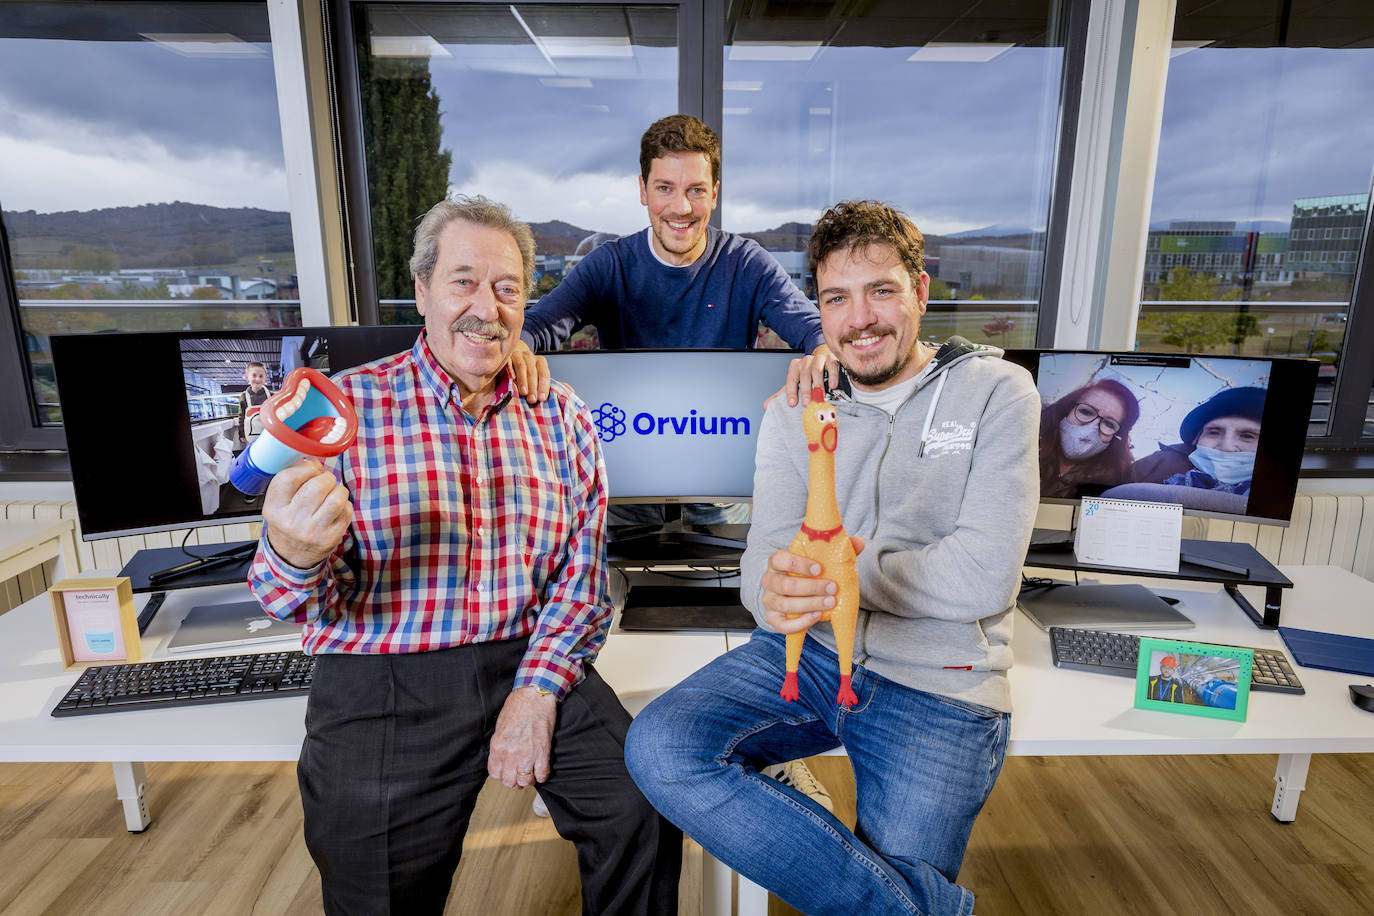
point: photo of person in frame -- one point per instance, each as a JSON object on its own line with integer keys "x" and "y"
{"x": 1197, "y": 680}
{"x": 1165, "y": 685}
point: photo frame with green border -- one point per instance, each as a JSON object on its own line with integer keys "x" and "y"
{"x": 1211, "y": 681}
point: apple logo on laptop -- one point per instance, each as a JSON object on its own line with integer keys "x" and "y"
{"x": 258, "y": 623}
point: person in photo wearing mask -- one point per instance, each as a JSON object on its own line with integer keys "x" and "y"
{"x": 1220, "y": 437}
{"x": 1085, "y": 440}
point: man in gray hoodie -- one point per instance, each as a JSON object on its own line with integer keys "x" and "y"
{"x": 937, "y": 484}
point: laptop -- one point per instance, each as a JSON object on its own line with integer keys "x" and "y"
{"x": 1099, "y": 607}
{"x": 243, "y": 623}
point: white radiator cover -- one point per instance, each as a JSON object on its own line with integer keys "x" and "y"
{"x": 1335, "y": 529}
{"x": 105, "y": 556}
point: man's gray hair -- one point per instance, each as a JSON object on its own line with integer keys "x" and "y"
{"x": 480, "y": 212}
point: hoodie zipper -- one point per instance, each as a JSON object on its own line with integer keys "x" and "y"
{"x": 861, "y": 636}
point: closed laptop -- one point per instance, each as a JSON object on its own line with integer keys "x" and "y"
{"x": 1099, "y": 607}
{"x": 243, "y": 623}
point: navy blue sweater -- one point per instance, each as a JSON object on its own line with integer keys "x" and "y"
{"x": 635, "y": 300}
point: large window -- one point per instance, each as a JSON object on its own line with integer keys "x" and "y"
{"x": 539, "y": 106}
{"x": 143, "y": 185}
{"x": 1262, "y": 194}
{"x": 951, "y": 112}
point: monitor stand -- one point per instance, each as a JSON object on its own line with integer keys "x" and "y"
{"x": 238, "y": 553}
{"x": 156, "y": 568}
{"x": 674, "y": 542}
{"x": 1230, "y": 564}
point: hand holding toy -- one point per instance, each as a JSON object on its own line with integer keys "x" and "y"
{"x": 308, "y": 418}
{"x": 823, "y": 539}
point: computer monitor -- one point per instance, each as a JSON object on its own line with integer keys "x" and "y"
{"x": 152, "y": 419}
{"x": 676, "y": 426}
{"x": 1221, "y": 435}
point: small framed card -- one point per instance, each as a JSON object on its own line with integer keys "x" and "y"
{"x": 1195, "y": 679}
{"x": 96, "y": 621}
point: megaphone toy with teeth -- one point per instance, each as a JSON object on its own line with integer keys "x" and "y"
{"x": 308, "y": 418}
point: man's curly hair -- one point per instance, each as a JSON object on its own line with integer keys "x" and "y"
{"x": 856, "y": 224}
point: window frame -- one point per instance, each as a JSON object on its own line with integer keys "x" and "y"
{"x": 701, "y": 25}
{"x": 19, "y": 426}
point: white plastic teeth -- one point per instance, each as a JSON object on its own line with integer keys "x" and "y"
{"x": 288, "y": 408}
{"x": 336, "y": 433}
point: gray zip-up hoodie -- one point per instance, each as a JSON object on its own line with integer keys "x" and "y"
{"x": 944, "y": 492}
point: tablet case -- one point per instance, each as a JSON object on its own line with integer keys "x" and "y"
{"x": 1331, "y": 651}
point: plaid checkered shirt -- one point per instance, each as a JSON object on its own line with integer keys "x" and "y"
{"x": 465, "y": 529}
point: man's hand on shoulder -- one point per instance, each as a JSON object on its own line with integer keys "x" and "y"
{"x": 531, "y": 373}
{"x": 807, "y": 372}
{"x": 307, "y": 512}
{"x": 519, "y": 751}
{"x": 794, "y": 595}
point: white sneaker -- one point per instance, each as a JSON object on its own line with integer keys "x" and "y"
{"x": 796, "y": 774}
{"x": 540, "y": 809}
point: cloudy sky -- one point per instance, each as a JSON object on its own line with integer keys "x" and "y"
{"x": 958, "y": 145}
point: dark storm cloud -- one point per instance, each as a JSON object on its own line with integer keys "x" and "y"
{"x": 130, "y": 90}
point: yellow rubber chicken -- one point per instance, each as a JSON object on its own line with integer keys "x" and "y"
{"x": 822, "y": 538}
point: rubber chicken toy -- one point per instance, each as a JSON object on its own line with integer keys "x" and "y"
{"x": 822, "y": 538}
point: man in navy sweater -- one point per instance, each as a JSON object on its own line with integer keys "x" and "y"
{"x": 679, "y": 283}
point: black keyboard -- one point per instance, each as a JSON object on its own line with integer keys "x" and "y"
{"x": 187, "y": 682}
{"x": 1115, "y": 653}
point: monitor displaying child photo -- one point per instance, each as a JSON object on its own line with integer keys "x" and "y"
{"x": 227, "y": 380}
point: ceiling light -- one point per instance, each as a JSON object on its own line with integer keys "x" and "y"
{"x": 202, "y": 44}
{"x": 960, "y": 52}
{"x": 407, "y": 46}
{"x": 737, "y": 111}
{"x": 586, "y": 45}
{"x": 743, "y": 85}
{"x": 1183, "y": 47}
{"x": 774, "y": 50}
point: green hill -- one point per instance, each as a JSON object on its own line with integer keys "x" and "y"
{"x": 153, "y": 235}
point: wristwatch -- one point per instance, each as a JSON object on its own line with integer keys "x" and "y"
{"x": 542, "y": 691}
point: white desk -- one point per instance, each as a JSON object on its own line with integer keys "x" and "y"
{"x": 639, "y": 666}
{"x": 1056, "y": 712}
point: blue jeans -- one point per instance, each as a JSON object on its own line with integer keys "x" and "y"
{"x": 923, "y": 767}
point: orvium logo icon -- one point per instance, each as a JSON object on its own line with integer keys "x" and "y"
{"x": 610, "y": 421}
{"x": 610, "y": 424}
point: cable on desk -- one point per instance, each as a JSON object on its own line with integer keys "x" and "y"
{"x": 717, "y": 573}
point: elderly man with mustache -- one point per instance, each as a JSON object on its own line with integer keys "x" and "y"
{"x": 449, "y": 572}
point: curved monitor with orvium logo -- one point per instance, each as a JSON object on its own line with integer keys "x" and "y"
{"x": 676, "y": 426}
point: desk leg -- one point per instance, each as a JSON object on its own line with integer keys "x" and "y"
{"x": 130, "y": 781}
{"x": 717, "y": 891}
{"x": 753, "y": 899}
{"x": 1291, "y": 777}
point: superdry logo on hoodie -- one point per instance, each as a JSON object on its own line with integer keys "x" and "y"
{"x": 950, "y": 436}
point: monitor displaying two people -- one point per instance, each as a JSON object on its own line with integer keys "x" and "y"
{"x": 1217, "y": 434}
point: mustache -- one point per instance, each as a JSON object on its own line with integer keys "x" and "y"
{"x": 867, "y": 332}
{"x": 475, "y": 325}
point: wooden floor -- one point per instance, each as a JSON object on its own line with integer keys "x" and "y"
{"x": 1101, "y": 836}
